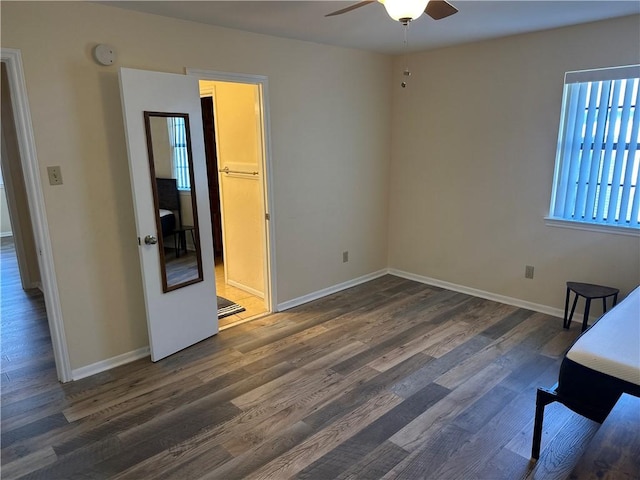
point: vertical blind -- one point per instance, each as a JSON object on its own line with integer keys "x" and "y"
{"x": 597, "y": 162}
{"x": 179, "y": 152}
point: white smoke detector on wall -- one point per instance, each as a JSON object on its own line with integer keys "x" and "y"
{"x": 104, "y": 54}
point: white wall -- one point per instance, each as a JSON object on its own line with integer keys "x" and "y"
{"x": 15, "y": 191}
{"x": 474, "y": 140}
{"x": 162, "y": 161}
{"x": 330, "y": 142}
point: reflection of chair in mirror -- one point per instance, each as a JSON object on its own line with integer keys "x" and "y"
{"x": 170, "y": 214}
{"x": 169, "y": 206}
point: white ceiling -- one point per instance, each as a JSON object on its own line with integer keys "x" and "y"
{"x": 369, "y": 27}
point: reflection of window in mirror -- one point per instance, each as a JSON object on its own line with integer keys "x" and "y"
{"x": 179, "y": 153}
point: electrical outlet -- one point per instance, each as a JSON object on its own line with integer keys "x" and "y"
{"x": 55, "y": 175}
{"x": 528, "y": 271}
{"x": 345, "y": 257}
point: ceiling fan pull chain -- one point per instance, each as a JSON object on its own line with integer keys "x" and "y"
{"x": 406, "y": 71}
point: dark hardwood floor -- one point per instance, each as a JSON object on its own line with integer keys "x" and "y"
{"x": 391, "y": 379}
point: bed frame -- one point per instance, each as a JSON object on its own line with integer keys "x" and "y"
{"x": 601, "y": 365}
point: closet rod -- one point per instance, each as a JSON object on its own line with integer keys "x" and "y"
{"x": 226, "y": 170}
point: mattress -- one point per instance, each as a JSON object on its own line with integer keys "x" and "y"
{"x": 612, "y": 345}
{"x": 167, "y": 222}
{"x": 601, "y": 365}
{"x": 604, "y": 362}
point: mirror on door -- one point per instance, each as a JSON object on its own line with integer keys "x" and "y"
{"x": 174, "y": 194}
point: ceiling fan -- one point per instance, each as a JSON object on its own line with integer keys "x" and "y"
{"x": 405, "y": 11}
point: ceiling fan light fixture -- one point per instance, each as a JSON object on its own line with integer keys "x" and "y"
{"x": 404, "y": 10}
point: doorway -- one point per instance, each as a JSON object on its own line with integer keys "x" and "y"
{"x": 15, "y": 89}
{"x": 233, "y": 123}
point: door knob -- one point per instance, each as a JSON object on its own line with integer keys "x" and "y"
{"x": 150, "y": 240}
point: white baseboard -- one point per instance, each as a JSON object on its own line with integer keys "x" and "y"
{"x": 516, "y": 302}
{"x": 250, "y": 290}
{"x": 329, "y": 290}
{"x": 109, "y": 363}
{"x": 32, "y": 286}
{"x": 6, "y": 234}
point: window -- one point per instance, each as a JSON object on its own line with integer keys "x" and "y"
{"x": 598, "y": 156}
{"x": 179, "y": 152}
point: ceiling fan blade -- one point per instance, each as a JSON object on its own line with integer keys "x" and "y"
{"x": 352, "y": 7}
{"x": 439, "y": 9}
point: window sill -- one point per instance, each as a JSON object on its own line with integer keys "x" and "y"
{"x": 591, "y": 227}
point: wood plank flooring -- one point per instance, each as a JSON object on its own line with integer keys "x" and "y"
{"x": 391, "y": 379}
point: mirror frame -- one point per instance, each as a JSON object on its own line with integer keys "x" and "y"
{"x": 152, "y": 174}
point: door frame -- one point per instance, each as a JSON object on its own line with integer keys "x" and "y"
{"x": 267, "y": 182}
{"x": 12, "y": 58}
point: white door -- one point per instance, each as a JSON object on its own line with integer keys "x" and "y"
{"x": 239, "y": 141}
{"x": 181, "y": 317}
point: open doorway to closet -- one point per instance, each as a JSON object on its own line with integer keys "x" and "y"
{"x": 234, "y": 145}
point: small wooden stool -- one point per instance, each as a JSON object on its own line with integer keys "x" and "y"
{"x": 589, "y": 292}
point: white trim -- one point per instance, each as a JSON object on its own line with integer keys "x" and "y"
{"x": 252, "y": 291}
{"x": 270, "y": 294}
{"x": 110, "y": 363}
{"x": 600, "y": 74}
{"x": 330, "y": 290}
{"x": 6, "y": 234}
{"x": 225, "y": 76}
{"x": 516, "y": 302}
{"x": 244, "y": 320}
{"x": 30, "y": 168}
{"x": 592, "y": 227}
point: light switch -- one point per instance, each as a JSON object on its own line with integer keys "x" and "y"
{"x": 55, "y": 175}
